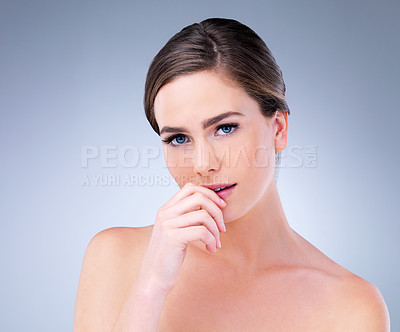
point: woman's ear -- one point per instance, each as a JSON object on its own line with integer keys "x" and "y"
{"x": 281, "y": 123}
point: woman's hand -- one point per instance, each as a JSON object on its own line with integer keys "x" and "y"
{"x": 193, "y": 213}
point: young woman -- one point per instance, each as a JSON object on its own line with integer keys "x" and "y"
{"x": 216, "y": 97}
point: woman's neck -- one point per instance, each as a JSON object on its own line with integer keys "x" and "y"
{"x": 261, "y": 238}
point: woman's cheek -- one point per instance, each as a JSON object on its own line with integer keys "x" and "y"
{"x": 181, "y": 174}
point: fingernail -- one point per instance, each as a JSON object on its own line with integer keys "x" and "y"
{"x": 224, "y": 227}
{"x": 219, "y": 244}
{"x": 222, "y": 201}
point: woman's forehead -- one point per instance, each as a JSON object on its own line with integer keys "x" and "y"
{"x": 198, "y": 96}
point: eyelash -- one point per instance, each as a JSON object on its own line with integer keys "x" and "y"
{"x": 168, "y": 140}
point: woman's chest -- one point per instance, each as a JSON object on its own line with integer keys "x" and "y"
{"x": 262, "y": 304}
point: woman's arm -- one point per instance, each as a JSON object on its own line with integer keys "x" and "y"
{"x": 110, "y": 266}
{"x": 116, "y": 264}
{"x": 142, "y": 308}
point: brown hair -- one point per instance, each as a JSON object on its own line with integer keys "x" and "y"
{"x": 226, "y": 47}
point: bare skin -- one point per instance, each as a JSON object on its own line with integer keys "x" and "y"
{"x": 308, "y": 293}
{"x": 265, "y": 277}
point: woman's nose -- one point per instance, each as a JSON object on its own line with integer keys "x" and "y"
{"x": 204, "y": 159}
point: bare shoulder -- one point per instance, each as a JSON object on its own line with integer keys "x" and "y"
{"x": 110, "y": 264}
{"x": 114, "y": 247}
{"x": 353, "y": 303}
{"x": 349, "y": 302}
{"x": 359, "y": 305}
{"x": 121, "y": 239}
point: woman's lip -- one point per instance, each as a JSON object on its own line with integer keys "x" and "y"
{"x": 226, "y": 192}
{"x": 225, "y": 187}
{"x": 218, "y": 185}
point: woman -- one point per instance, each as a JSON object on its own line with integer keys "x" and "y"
{"x": 216, "y": 97}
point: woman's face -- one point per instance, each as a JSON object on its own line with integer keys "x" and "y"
{"x": 237, "y": 148}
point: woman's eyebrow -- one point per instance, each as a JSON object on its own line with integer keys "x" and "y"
{"x": 205, "y": 124}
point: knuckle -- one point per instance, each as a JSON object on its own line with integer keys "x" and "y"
{"x": 203, "y": 198}
{"x": 161, "y": 214}
{"x": 211, "y": 238}
{"x": 203, "y": 214}
{"x": 164, "y": 226}
{"x": 204, "y": 232}
{"x": 198, "y": 195}
{"x": 169, "y": 234}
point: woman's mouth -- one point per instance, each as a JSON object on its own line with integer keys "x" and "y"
{"x": 224, "y": 192}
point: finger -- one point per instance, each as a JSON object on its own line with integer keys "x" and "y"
{"x": 190, "y": 188}
{"x": 193, "y": 218}
{"x": 196, "y": 233}
{"x": 197, "y": 201}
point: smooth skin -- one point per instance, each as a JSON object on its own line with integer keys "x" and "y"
{"x": 172, "y": 276}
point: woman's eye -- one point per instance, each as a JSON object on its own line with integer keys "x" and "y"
{"x": 178, "y": 140}
{"x": 227, "y": 128}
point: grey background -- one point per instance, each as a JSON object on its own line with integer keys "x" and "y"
{"x": 72, "y": 75}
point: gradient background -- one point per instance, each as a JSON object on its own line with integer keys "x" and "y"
{"x": 72, "y": 75}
